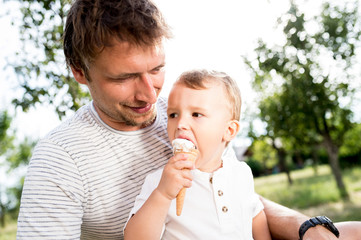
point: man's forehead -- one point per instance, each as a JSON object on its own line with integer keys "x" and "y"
{"x": 127, "y": 46}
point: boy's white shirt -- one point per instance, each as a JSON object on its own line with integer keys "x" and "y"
{"x": 223, "y": 209}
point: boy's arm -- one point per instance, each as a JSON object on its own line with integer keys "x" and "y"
{"x": 284, "y": 223}
{"x": 260, "y": 230}
{"x": 149, "y": 220}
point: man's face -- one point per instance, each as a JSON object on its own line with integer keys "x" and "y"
{"x": 125, "y": 82}
{"x": 201, "y": 116}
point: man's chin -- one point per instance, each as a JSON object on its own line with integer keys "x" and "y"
{"x": 143, "y": 121}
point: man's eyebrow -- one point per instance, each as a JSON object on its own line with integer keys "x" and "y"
{"x": 159, "y": 66}
{"x": 124, "y": 75}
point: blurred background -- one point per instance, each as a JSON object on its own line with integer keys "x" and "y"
{"x": 297, "y": 63}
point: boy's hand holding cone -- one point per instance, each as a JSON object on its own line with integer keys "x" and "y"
{"x": 183, "y": 146}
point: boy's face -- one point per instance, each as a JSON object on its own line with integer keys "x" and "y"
{"x": 203, "y": 117}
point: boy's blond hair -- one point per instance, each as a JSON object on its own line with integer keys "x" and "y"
{"x": 197, "y": 79}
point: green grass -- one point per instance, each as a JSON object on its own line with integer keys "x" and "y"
{"x": 310, "y": 194}
{"x": 9, "y": 232}
{"x": 315, "y": 194}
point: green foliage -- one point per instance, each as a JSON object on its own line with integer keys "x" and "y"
{"x": 256, "y": 167}
{"x": 13, "y": 155}
{"x": 352, "y": 143}
{"x": 306, "y": 82}
{"x": 40, "y": 64}
{"x": 5, "y": 140}
{"x": 264, "y": 153}
{"x": 22, "y": 155}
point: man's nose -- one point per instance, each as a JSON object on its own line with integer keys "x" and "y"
{"x": 145, "y": 90}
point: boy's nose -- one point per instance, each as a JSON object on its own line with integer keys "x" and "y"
{"x": 182, "y": 123}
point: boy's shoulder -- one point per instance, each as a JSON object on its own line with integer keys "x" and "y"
{"x": 154, "y": 177}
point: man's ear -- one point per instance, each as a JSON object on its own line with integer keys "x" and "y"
{"x": 231, "y": 131}
{"x": 79, "y": 75}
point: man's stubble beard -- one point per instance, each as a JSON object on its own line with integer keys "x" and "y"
{"x": 131, "y": 120}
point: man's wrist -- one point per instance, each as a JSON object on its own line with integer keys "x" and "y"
{"x": 315, "y": 221}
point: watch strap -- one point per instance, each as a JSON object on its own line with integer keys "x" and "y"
{"x": 319, "y": 220}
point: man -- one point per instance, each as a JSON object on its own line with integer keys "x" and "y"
{"x": 84, "y": 175}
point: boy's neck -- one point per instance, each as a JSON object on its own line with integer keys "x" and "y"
{"x": 215, "y": 169}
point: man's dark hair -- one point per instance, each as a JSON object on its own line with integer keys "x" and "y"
{"x": 93, "y": 25}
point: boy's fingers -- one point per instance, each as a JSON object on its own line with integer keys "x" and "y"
{"x": 179, "y": 157}
{"x": 184, "y": 165}
{"x": 187, "y": 183}
{"x": 186, "y": 174}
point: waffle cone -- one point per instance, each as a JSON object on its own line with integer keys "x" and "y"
{"x": 192, "y": 156}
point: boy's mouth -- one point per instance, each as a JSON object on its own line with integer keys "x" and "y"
{"x": 187, "y": 138}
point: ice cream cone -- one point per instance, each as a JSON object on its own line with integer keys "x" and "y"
{"x": 182, "y": 146}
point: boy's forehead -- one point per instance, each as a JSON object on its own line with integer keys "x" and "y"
{"x": 209, "y": 88}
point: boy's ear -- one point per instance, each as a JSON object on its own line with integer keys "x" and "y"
{"x": 231, "y": 131}
{"x": 79, "y": 75}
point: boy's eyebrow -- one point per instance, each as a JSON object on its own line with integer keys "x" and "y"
{"x": 170, "y": 109}
{"x": 192, "y": 108}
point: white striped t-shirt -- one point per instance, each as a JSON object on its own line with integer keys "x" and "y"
{"x": 84, "y": 176}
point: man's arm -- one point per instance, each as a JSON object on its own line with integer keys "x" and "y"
{"x": 284, "y": 223}
{"x": 349, "y": 230}
{"x": 52, "y": 197}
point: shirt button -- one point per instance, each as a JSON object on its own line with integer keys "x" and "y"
{"x": 211, "y": 180}
{"x": 224, "y": 209}
{"x": 220, "y": 193}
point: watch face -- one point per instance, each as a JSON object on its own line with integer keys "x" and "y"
{"x": 326, "y": 221}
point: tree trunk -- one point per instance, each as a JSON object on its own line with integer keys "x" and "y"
{"x": 332, "y": 151}
{"x": 2, "y": 215}
{"x": 282, "y": 163}
{"x": 315, "y": 158}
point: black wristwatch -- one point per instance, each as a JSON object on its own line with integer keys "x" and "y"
{"x": 319, "y": 220}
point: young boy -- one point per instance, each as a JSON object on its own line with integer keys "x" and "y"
{"x": 220, "y": 202}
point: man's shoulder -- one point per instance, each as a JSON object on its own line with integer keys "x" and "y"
{"x": 162, "y": 103}
{"x": 74, "y": 125}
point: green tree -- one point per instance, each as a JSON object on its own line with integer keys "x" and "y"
{"x": 6, "y": 143}
{"x": 306, "y": 81}
{"x": 40, "y": 64}
{"x": 13, "y": 156}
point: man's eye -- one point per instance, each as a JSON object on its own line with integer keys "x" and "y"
{"x": 196, "y": 115}
{"x": 157, "y": 69}
{"x": 125, "y": 77}
{"x": 173, "y": 115}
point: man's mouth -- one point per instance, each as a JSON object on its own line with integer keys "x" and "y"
{"x": 142, "y": 109}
